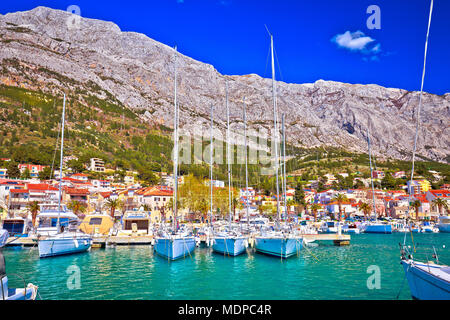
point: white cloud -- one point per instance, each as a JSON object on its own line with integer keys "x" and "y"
{"x": 354, "y": 41}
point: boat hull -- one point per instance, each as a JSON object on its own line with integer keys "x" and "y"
{"x": 173, "y": 249}
{"x": 63, "y": 246}
{"x": 424, "y": 285}
{"x": 232, "y": 246}
{"x": 379, "y": 228}
{"x": 444, "y": 227}
{"x": 279, "y": 247}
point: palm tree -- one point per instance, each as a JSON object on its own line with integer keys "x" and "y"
{"x": 77, "y": 207}
{"x": 340, "y": 198}
{"x": 365, "y": 208}
{"x": 416, "y": 205}
{"x": 33, "y": 207}
{"x": 113, "y": 204}
{"x": 315, "y": 207}
{"x": 441, "y": 204}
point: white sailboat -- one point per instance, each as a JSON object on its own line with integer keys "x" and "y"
{"x": 376, "y": 226}
{"x": 70, "y": 240}
{"x": 427, "y": 280}
{"x": 232, "y": 242}
{"x": 174, "y": 243}
{"x": 281, "y": 242}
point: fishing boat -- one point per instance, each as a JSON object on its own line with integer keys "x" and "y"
{"x": 426, "y": 280}
{"x": 231, "y": 242}
{"x": 174, "y": 243}
{"x": 427, "y": 227}
{"x": 28, "y": 292}
{"x": 67, "y": 240}
{"x": 444, "y": 224}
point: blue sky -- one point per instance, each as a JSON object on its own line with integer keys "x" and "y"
{"x": 321, "y": 39}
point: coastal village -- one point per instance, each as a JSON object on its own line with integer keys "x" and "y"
{"x": 118, "y": 194}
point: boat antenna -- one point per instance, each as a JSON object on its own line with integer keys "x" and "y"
{"x": 284, "y": 165}
{"x": 246, "y": 170}
{"x": 228, "y": 152}
{"x": 371, "y": 173}
{"x": 175, "y": 156}
{"x": 211, "y": 150}
{"x": 275, "y": 125}
{"x": 61, "y": 164}
{"x": 418, "y": 114}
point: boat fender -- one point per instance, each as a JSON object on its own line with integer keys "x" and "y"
{"x": 34, "y": 290}
{"x": 246, "y": 243}
{"x": 75, "y": 243}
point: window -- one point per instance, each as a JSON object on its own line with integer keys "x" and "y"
{"x": 95, "y": 221}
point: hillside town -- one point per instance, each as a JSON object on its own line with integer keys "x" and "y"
{"x": 117, "y": 194}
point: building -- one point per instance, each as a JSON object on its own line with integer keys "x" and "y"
{"x": 418, "y": 186}
{"x": 431, "y": 195}
{"x": 399, "y": 174}
{"x": 377, "y": 174}
{"x": 3, "y": 173}
{"x": 128, "y": 180}
{"x": 80, "y": 176}
{"x": 97, "y": 165}
{"x": 33, "y": 168}
{"x": 75, "y": 194}
{"x": 157, "y": 199}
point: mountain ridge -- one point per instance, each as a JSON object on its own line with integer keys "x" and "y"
{"x": 136, "y": 72}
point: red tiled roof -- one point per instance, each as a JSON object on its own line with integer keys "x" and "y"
{"x": 40, "y": 187}
{"x": 18, "y": 191}
{"x": 443, "y": 192}
{"x": 75, "y": 191}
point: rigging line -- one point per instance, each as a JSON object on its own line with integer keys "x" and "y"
{"x": 278, "y": 63}
{"x": 418, "y": 110}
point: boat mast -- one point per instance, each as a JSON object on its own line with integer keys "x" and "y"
{"x": 284, "y": 165}
{"x": 61, "y": 164}
{"x": 371, "y": 175}
{"x": 175, "y": 157}
{"x": 211, "y": 167}
{"x": 246, "y": 171}
{"x": 228, "y": 153}
{"x": 275, "y": 125}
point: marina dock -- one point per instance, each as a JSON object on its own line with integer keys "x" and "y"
{"x": 338, "y": 239}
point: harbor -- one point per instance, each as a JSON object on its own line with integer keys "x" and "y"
{"x": 135, "y": 272}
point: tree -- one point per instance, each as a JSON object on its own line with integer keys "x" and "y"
{"x": 113, "y": 205}
{"x": 365, "y": 208}
{"x": 315, "y": 207}
{"x": 77, "y": 166}
{"x": 33, "y": 207}
{"x": 77, "y": 207}
{"x": 26, "y": 174}
{"x": 45, "y": 174}
{"x": 441, "y": 204}
{"x": 13, "y": 170}
{"x": 416, "y": 205}
{"x": 299, "y": 196}
{"x": 148, "y": 177}
{"x": 340, "y": 198}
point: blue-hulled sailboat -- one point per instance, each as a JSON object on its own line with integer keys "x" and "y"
{"x": 70, "y": 241}
{"x": 174, "y": 243}
{"x": 232, "y": 242}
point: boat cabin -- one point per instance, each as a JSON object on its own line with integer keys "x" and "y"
{"x": 16, "y": 227}
{"x": 135, "y": 222}
{"x": 97, "y": 224}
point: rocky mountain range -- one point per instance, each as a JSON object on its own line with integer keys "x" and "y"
{"x": 52, "y": 50}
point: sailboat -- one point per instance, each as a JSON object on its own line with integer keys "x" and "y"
{"x": 281, "y": 242}
{"x": 374, "y": 227}
{"x": 426, "y": 280}
{"x": 71, "y": 240}
{"x": 231, "y": 242}
{"x": 174, "y": 243}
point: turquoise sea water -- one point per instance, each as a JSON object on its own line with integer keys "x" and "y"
{"x": 135, "y": 273}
